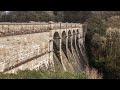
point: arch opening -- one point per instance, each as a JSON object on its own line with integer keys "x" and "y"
{"x": 64, "y": 36}
{"x": 56, "y": 45}
{"x": 77, "y": 38}
{"x": 77, "y": 41}
{"x": 73, "y": 43}
{"x": 69, "y": 41}
{"x": 77, "y": 31}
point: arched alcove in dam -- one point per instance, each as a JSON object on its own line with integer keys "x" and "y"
{"x": 77, "y": 42}
{"x": 64, "y": 36}
{"x": 56, "y": 45}
{"x": 73, "y": 43}
{"x": 69, "y": 40}
{"x": 77, "y": 38}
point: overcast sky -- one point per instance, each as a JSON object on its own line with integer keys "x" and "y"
{"x": 7, "y": 12}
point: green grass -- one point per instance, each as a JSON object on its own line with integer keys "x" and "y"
{"x": 39, "y": 74}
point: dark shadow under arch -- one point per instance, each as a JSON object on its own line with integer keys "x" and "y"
{"x": 78, "y": 31}
{"x": 56, "y": 45}
{"x": 69, "y": 40}
{"x": 73, "y": 43}
{"x": 64, "y": 36}
{"x": 77, "y": 37}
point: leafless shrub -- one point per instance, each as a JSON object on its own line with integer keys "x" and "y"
{"x": 93, "y": 73}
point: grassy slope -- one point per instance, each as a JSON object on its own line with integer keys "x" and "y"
{"x": 38, "y": 74}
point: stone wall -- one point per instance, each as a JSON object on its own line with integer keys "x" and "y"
{"x": 16, "y": 49}
{"x": 9, "y": 29}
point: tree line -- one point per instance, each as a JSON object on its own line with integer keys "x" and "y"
{"x": 44, "y": 16}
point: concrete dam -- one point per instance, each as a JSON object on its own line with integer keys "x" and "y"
{"x": 42, "y": 45}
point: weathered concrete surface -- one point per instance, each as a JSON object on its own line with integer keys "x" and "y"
{"x": 16, "y": 49}
{"x": 66, "y": 65}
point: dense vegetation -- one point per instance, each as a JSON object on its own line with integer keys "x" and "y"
{"x": 56, "y": 16}
{"x": 103, "y": 47}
